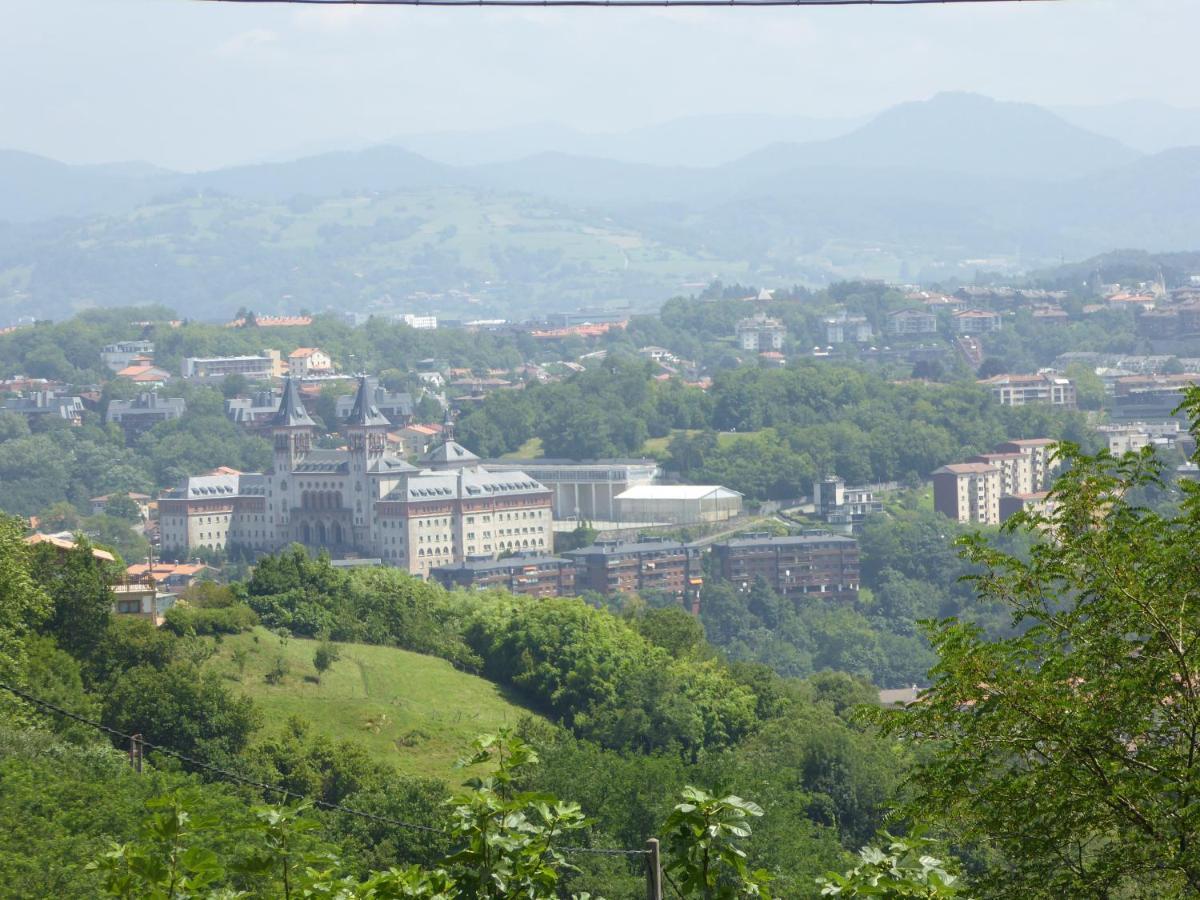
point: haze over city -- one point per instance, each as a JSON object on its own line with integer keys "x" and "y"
{"x": 198, "y": 85}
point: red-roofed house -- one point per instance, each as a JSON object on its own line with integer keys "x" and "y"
{"x": 309, "y": 361}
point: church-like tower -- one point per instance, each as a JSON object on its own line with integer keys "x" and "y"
{"x": 366, "y": 435}
{"x": 292, "y": 430}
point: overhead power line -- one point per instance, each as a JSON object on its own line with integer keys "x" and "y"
{"x": 614, "y": 4}
{"x": 137, "y": 741}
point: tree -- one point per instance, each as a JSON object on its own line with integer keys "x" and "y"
{"x": 23, "y": 603}
{"x": 1072, "y": 747}
{"x": 325, "y": 656}
{"x": 78, "y": 583}
{"x": 183, "y": 708}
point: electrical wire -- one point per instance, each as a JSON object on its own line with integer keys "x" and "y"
{"x": 629, "y": 3}
{"x": 262, "y": 785}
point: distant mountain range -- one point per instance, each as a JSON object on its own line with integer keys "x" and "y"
{"x": 922, "y": 187}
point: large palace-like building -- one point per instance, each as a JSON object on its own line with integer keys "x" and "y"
{"x": 359, "y": 501}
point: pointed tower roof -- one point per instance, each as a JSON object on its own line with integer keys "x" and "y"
{"x": 291, "y": 413}
{"x": 365, "y": 412}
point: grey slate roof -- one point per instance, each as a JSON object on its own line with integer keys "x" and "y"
{"x": 364, "y": 412}
{"x": 292, "y": 413}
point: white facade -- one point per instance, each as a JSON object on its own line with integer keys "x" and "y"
{"x": 678, "y": 504}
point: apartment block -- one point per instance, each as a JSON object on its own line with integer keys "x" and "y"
{"x": 264, "y": 367}
{"x": 797, "y": 566}
{"x": 968, "y": 493}
{"x": 1040, "y": 452}
{"x": 629, "y": 567}
{"x": 1016, "y": 470}
{"x": 533, "y": 575}
{"x": 1022, "y": 390}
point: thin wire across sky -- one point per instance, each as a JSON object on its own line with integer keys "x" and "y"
{"x": 631, "y": 3}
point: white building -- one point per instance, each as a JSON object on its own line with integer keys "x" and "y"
{"x": 305, "y": 361}
{"x": 360, "y": 502}
{"x": 584, "y": 491}
{"x": 678, "y": 504}
{"x": 422, "y": 322}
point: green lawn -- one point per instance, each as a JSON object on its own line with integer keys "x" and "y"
{"x": 658, "y": 446}
{"x": 531, "y": 449}
{"x": 416, "y": 712}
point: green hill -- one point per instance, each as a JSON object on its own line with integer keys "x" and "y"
{"x": 416, "y": 712}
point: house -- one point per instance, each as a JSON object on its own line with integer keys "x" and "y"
{"x": 304, "y": 361}
{"x": 144, "y": 373}
{"x": 798, "y": 567}
{"x": 976, "y": 321}
{"x": 1022, "y": 390}
{"x": 630, "y": 567}
{"x": 529, "y": 574}
{"x": 912, "y": 321}
{"x": 173, "y": 577}
{"x": 968, "y": 493}
{"x": 760, "y": 332}
{"x": 64, "y": 542}
{"x": 122, "y": 354}
{"x": 417, "y": 439}
{"x": 142, "y": 413}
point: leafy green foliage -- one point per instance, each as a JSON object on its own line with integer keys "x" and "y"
{"x": 704, "y": 856}
{"x": 1073, "y": 738}
{"x": 904, "y": 867}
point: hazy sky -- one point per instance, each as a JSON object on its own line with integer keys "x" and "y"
{"x": 192, "y": 84}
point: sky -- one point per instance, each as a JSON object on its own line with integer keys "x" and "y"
{"x": 191, "y": 85}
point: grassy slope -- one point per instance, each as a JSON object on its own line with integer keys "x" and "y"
{"x": 658, "y": 446}
{"x": 416, "y": 712}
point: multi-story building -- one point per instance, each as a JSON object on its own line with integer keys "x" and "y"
{"x": 362, "y": 501}
{"x": 845, "y": 329}
{"x": 968, "y": 493}
{"x": 143, "y": 412}
{"x": 798, "y": 566}
{"x": 1016, "y": 470}
{"x": 1122, "y": 439}
{"x": 46, "y": 404}
{"x": 419, "y": 322}
{"x": 838, "y": 504}
{"x": 122, "y": 354}
{"x": 532, "y": 574}
{"x": 264, "y": 367}
{"x": 760, "y": 332}
{"x": 976, "y": 321}
{"x": 630, "y": 567}
{"x": 1040, "y": 451}
{"x": 912, "y": 321}
{"x": 584, "y": 491}
{"x": 1021, "y": 390}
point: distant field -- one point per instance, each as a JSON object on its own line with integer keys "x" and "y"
{"x": 531, "y": 449}
{"x": 416, "y": 712}
{"x": 658, "y": 446}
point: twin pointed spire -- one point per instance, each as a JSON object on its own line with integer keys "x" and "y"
{"x": 291, "y": 412}
{"x": 365, "y": 413}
